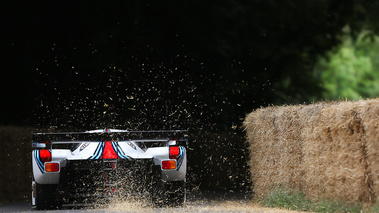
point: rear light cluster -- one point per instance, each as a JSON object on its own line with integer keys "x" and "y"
{"x": 174, "y": 152}
{"x": 169, "y": 164}
{"x": 51, "y": 167}
{"x": 45, "y": 155}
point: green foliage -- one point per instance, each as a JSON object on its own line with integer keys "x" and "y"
{"x": 223, "y": 59}
{"x": 351, "y": 71}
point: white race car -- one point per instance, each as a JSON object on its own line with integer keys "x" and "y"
{"x": 75, "y": 168}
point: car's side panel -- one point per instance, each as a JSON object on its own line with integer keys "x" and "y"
{"x": 39, "y": 174}
{"x": 162, "y": 153}
{"x": 178, "y": 174}
{"x": 159, "y": 153}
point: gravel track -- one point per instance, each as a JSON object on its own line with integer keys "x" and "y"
{"x": 193, "y": 206}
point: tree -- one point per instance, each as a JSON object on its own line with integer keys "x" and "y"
{"x": 169, "y": 64}
{"x": 351, "y": 71}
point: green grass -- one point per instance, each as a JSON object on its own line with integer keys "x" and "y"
{"x": 294, "y": 200}
{"x": 286, "y": 199}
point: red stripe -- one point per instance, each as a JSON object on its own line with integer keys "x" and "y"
{"x": 109, "y": 152}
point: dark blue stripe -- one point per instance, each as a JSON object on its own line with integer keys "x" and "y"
{"x": 101, "y": 151}
{"x": 39, "y": 162}
{"x": 95, "y": 153}
{"x": 121, "y": 152}
{"x": 181, "y": 157}
{"x": 114, "y": 147}
{"x": 98, "y": 151}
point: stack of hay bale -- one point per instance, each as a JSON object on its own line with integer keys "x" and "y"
{"x": 327, "y": 150}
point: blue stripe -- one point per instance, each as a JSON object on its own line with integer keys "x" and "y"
{"x": 39, "y": 162}
{"x": 120, "y": 152}
{"x": 98, "y": 151}
{"x": 101, "y": 150}
{"x": 114, "y": 146}
{"x": 95, "y": 153}
{"x": 180, "y": 158}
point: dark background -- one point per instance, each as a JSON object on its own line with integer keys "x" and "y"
{"x": 143, "y": 65}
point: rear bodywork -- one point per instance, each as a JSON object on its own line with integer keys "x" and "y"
{"x": 82, "y": 167}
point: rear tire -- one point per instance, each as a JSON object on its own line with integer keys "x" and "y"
{"x": 168, "y": 193}
{"x": 176, "y": 193}
{"x": 47, "y": 196}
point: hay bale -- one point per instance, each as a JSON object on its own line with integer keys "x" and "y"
{"x": 313, "y": 160}
{"x": 343, "y": 141}
{"x": 261, "y": 156}
{"x": 275, "y": 153}
{"x": 15, "y": 172}
{"x": 371, "y": 127}
{"x": 324, "y": 149}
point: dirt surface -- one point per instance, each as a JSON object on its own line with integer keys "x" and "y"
{"x": 212, "y": 206}
{"x": 194, "y": 206}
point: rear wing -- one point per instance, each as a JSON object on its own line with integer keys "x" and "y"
{"x": 46, "y": 140}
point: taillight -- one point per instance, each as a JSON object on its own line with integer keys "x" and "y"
{"x": 45, "y": 155}
{"x": 174, "y": 152}
{"x": 52, "y": 167}
{"x": 169, "y": 164}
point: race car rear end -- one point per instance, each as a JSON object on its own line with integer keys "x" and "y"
{"x": 76, "y": 168}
